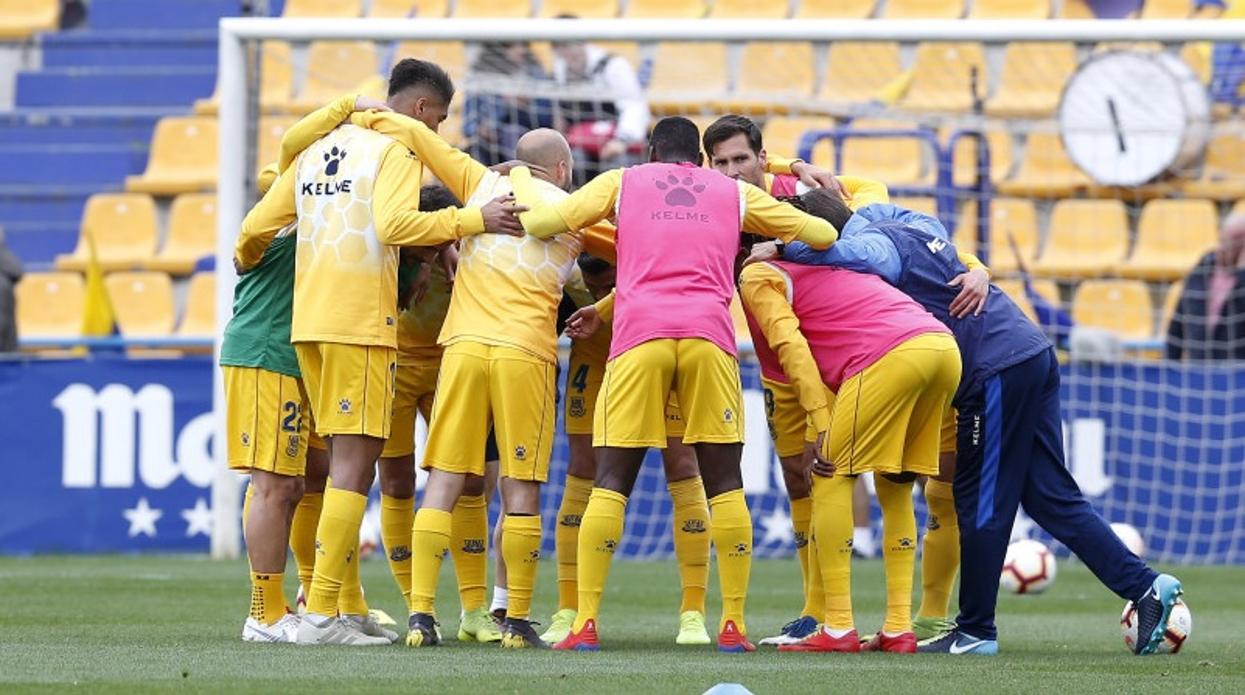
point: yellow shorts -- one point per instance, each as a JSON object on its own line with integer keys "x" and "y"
{"x": 635, "y": 395}
{"x": 583, "y": 385}
{"x": 265, "y": 426}
{"x": 948, "y": 433}
{"x": 350, "y": 387}
{"x": 788, "y": 423}
{"x": 888, "y": 418}
{"x": 508, "y": 389}
{"x": 415, "y": 385}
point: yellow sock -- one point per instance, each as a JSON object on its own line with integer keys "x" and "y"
{"x": 469, "y": 549}
{"x": 801, "y": 519}
{"x": 940, "y": 559}
{"x": 815, "y": 594}
{"x": 430, "y": 541}
{"x": 337, "y": 540}
{"x": 731, "y": 528}
{"x": 520, "y": 546}
{"x": 599, "y": 536}
{"x": 691, "y": 540}
{"x": 832, "y": 526}
{"x": 566, "y": 539}
{"x": 397, "y": 515}
{"x": 898, "y": 551}
{"x": 267, "y": 597}
{"x": 303, "y": 536}
{"x": 350, "y": 601}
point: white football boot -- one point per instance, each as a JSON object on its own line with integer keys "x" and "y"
{"x": 370, "y": 626}
{"x": 319, "y": 629}
{"x": 284, "y": 631}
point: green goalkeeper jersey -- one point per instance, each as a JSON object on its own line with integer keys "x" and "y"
{"x": 258, "y": 335}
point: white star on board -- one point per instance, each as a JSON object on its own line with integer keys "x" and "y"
{"x": 778, "y": 528}
{"x": 142, "y": 518}
{"x": 198, "y": 520}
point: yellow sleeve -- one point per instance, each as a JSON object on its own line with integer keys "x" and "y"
{"x": 779, "y": 165}
{"x": 599, "y": 241}
{"x": 763, "y": 214}
{"x": 862, "y": 191}
{"x": 764, "y": 292}
{"x": 576, "y": 289}
{"x": 314, "y": 126}
{"x": 971, "y": 262}
{"x": 583, "y": 208}
{"x": 395, "y": 206}
{"x": 273, "y": 212}
{"x": 455, "y": 168}
{"x": 605, "y": 307}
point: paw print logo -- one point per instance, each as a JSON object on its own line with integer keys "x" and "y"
{"x": 610, "y": 546}
{"x": 344, "y": 405}
{"x": 520, "y": 452}
{"x": 905, "y": 542}
{"x": 680, "y": 192}
{"x": 728, "y": 415}
{"x": 319, "y": 548}
{"x": 741, "y": 547}
{"x": 534, "y": 555}
{"x": 334, "y": 157}
{"x": 933, "y": 524}
{"x": 246, "y": 439}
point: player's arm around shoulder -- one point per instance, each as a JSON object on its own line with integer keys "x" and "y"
{"x": 314, "y": 126}
{"x": 455, "y": 168}
{"x": 271, "y": 214}
{"x": 766, "y": 215}
{"x": 395, "y": 209}
{"x": 583, "y": 208}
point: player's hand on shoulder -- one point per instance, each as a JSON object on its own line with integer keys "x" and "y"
{"x": 762, "y": 252}
{"x": 974, "y": 289}
{"x": 501, "y": 216}
{"x": 366, "y": 103}
{"x": 584, "y": 323}
{"x": 816, "y": 177}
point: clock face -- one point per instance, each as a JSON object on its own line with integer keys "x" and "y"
{"x": 1127, "y": 118}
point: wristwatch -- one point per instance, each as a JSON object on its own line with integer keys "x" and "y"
{"x": 779, "y": 247}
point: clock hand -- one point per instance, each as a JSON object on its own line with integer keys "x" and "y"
{"x": 1115, "y": 122}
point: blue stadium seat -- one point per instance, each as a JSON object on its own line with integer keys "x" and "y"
{"x": 39, "y": 127}
{"x": 38, "y": 245}
{"x": 129, "y": 49}
{"x": 165, "y": 14}
{"x": 114, "y": 87}
{"x": 40, "y": 207}
{"x": 55, "y": 166}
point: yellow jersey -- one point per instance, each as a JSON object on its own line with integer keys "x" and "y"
{"x": 419, "y": 325}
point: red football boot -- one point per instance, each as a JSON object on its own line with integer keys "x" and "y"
{"x": 583, "y": 641}
{"x": 903, "y": 643}
{"x": 731, "y": 640}
{"x": 821, "y": 641}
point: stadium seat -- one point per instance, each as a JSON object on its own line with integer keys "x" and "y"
{"x": 1223, "y": 172}
{"x": 334, "y": 68}
{"x": 323, "y": 8}
{"x": 859, "y": 72}
{"x": 665, "y": 9}
{"x": 1032, "y": 79}
{"x": 142, "y": 302}
{"x": 923, "y": 9}
{"x": 892, "y": 160}
{"x": 1172, "y": 235}
{"x": 19, "y": 19}
{"x": 276, "y": 81}
{"x": 1045, "y": 170}
{"x": 942, "y": 77}
{"x": 1120, "y": 306}
{"x": 492, "y": 9}
{"x": 1085, "y": 239}
{"x": 588, "y": 9}
{"x": 835, "y": 9}
{"x": 199, "y": 317}
{"x": 268, "y": 139}
{"x": 929, "y": 206}
{"x": 450, "y": 55}
{"x": 1014, "y": 216}
{"x": 1166, "y": 9}
{"x": 1076, "y": 9}
{"x": 403, "y": 8}
{"x": 123, "y": 229}
{"x": 182, "y": 159}
{"x": 758, "y": 92}
{"x": 1010, "y": 9}
{"x": 192, "y": 234}
{"x": 49, "y": 305}
{"x": 781, "y": 137}
{"x": 748, "y": 9}
{"x": 964, "y": 159}
{"x": 687, "y": 77}
{"x": 1015, "y": 289}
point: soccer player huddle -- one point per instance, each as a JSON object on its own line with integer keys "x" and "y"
{"x": 366, "y": 297}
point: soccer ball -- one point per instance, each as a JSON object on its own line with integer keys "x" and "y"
{"x": 1179, "y": 627}
{"x": 1028, "y": 568}
{"x": 1131, "y": 538}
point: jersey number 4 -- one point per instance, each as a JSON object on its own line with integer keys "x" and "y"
{"x": 580, "y": 378}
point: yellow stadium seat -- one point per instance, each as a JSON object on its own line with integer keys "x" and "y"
{"x": 687, "y": 77}
{"x": 748, "y": 9}
{"x": 199, "y": 318}
{"x": 665, "y": 9}
{"x": 192, "y": 234}
{"x": 587, "y": 9}
{"x": 1120, "y": 306}
{"x": 923, "y": 9}
{"x": 276, "y": 81}
{"x": 123, "y": 228}
{"x": 964, "y": 159}
{"x": 1086, "y": 238}
{"x": 1223, "y": 172}
{"x": 450, "y": 55}
{"x": 49, "y": 305}
{"x": 19, "y": 19}
{"x": 1014, "y": 217}
{"x": 858, "y": 72}
{"x": 1076, "y": 9}
{"x": 493, "y": 9}
{"x": 268, "y": 138}
{"x": 929, "y": 206}
{"x": 1010, "y": 9}
{"x": 942, "y": 77}
{"x": 781, "y": 137}
{"x": 142, "y": 302}
{"x": 1032, "y": 79}
{"x": 322, "y": 8}
{"x": 404, "y": 8}
{"x": 334, "y": 68}
{"x": 182, "y": 159}
{"x": 758, "y": 92}
{"x": 835, "y": 9}
{"x": 1016, "y": 290}
{"x": 1045, "y": 170}
{"x": 1172, "y": 235}
{"x": 1166, "y": 9}
{"x": 891, "y": 160}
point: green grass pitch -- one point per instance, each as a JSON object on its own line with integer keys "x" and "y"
{"x": 135, "y": 624}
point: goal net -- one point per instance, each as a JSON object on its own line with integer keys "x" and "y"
{"x": 1091, "y": 164}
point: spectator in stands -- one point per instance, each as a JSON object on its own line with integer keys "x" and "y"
{"x": 1209, "y": 321}
{"x": 10, "y": 273}
{"x": 497, "y": 111}
{"x": 614, "y": 120}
